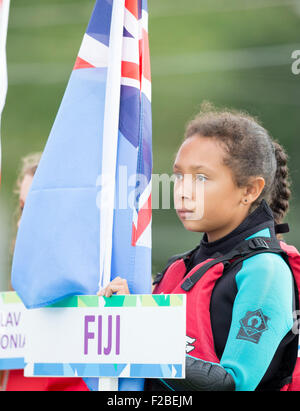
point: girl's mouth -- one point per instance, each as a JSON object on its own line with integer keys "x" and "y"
{"x": 184, "y": 213}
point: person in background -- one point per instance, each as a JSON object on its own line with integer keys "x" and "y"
{"x": 14, "y": 380}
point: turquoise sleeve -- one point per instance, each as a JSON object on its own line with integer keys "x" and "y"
{"x": 262, "y": 315}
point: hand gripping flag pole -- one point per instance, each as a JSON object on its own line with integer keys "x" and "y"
{"x": 4, "y": 12}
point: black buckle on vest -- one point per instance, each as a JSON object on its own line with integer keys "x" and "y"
{"x": 257, "y": 243}
{"x": 187, "y": 285}
{"x": 158, "y": 278}
{"x": 282, "y": 228}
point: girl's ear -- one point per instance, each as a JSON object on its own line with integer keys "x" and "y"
{"x": 254, "y": 189}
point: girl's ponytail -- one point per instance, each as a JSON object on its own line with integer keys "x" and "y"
{"x": 279, "y": 202}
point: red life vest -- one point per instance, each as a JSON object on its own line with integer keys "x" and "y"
{"x": 198, "y": 285}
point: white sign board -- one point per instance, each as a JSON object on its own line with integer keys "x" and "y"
{"x": 121, "y": 336}
{"x": 12, "y": 331}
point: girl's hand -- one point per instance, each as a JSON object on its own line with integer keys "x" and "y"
{"x": 118, "y": 285}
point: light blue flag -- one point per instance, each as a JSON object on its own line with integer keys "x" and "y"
{"x": 80, "y": 229}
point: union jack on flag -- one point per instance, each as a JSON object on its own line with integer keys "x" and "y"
{"x": 73, "y": 237}
{"x": 4, "y": 11}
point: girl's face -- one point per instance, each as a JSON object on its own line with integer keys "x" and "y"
{"x": 24, "y": 189}
{"x": 204, "y": 187}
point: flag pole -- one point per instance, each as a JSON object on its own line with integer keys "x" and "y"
{"x": 109, "y": 157}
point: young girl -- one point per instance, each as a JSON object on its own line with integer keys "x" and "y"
{"x": 240, "y": 334}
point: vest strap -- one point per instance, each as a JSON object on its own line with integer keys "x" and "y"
{"x": 245, "y": 249}
{"x": 185, "y": 256}
{"x": 282, "y": 228}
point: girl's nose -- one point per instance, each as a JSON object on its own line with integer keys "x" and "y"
{"x": 186, "y": 187}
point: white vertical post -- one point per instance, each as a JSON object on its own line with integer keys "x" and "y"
{"x": 4, "y": 12}
{"x": 109, "y": 156}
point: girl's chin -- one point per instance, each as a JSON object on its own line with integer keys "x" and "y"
{"x": 192, "y": 225}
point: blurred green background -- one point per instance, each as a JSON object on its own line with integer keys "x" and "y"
{"x": 234, "y": 53}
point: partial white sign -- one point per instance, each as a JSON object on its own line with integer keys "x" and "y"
{"x": 12, "y": 331}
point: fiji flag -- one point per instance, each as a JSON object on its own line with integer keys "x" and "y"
{"x": 87, "y": 217}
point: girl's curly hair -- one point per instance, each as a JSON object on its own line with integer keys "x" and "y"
{"x": 250, "y": 151}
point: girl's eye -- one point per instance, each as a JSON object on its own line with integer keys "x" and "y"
{"x": 200, "y": 177}
{"x": 177, "y": 176}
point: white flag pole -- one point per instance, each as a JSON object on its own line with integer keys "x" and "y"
{"x": 4, "y": 12}
{"x": 109, "y": 156}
